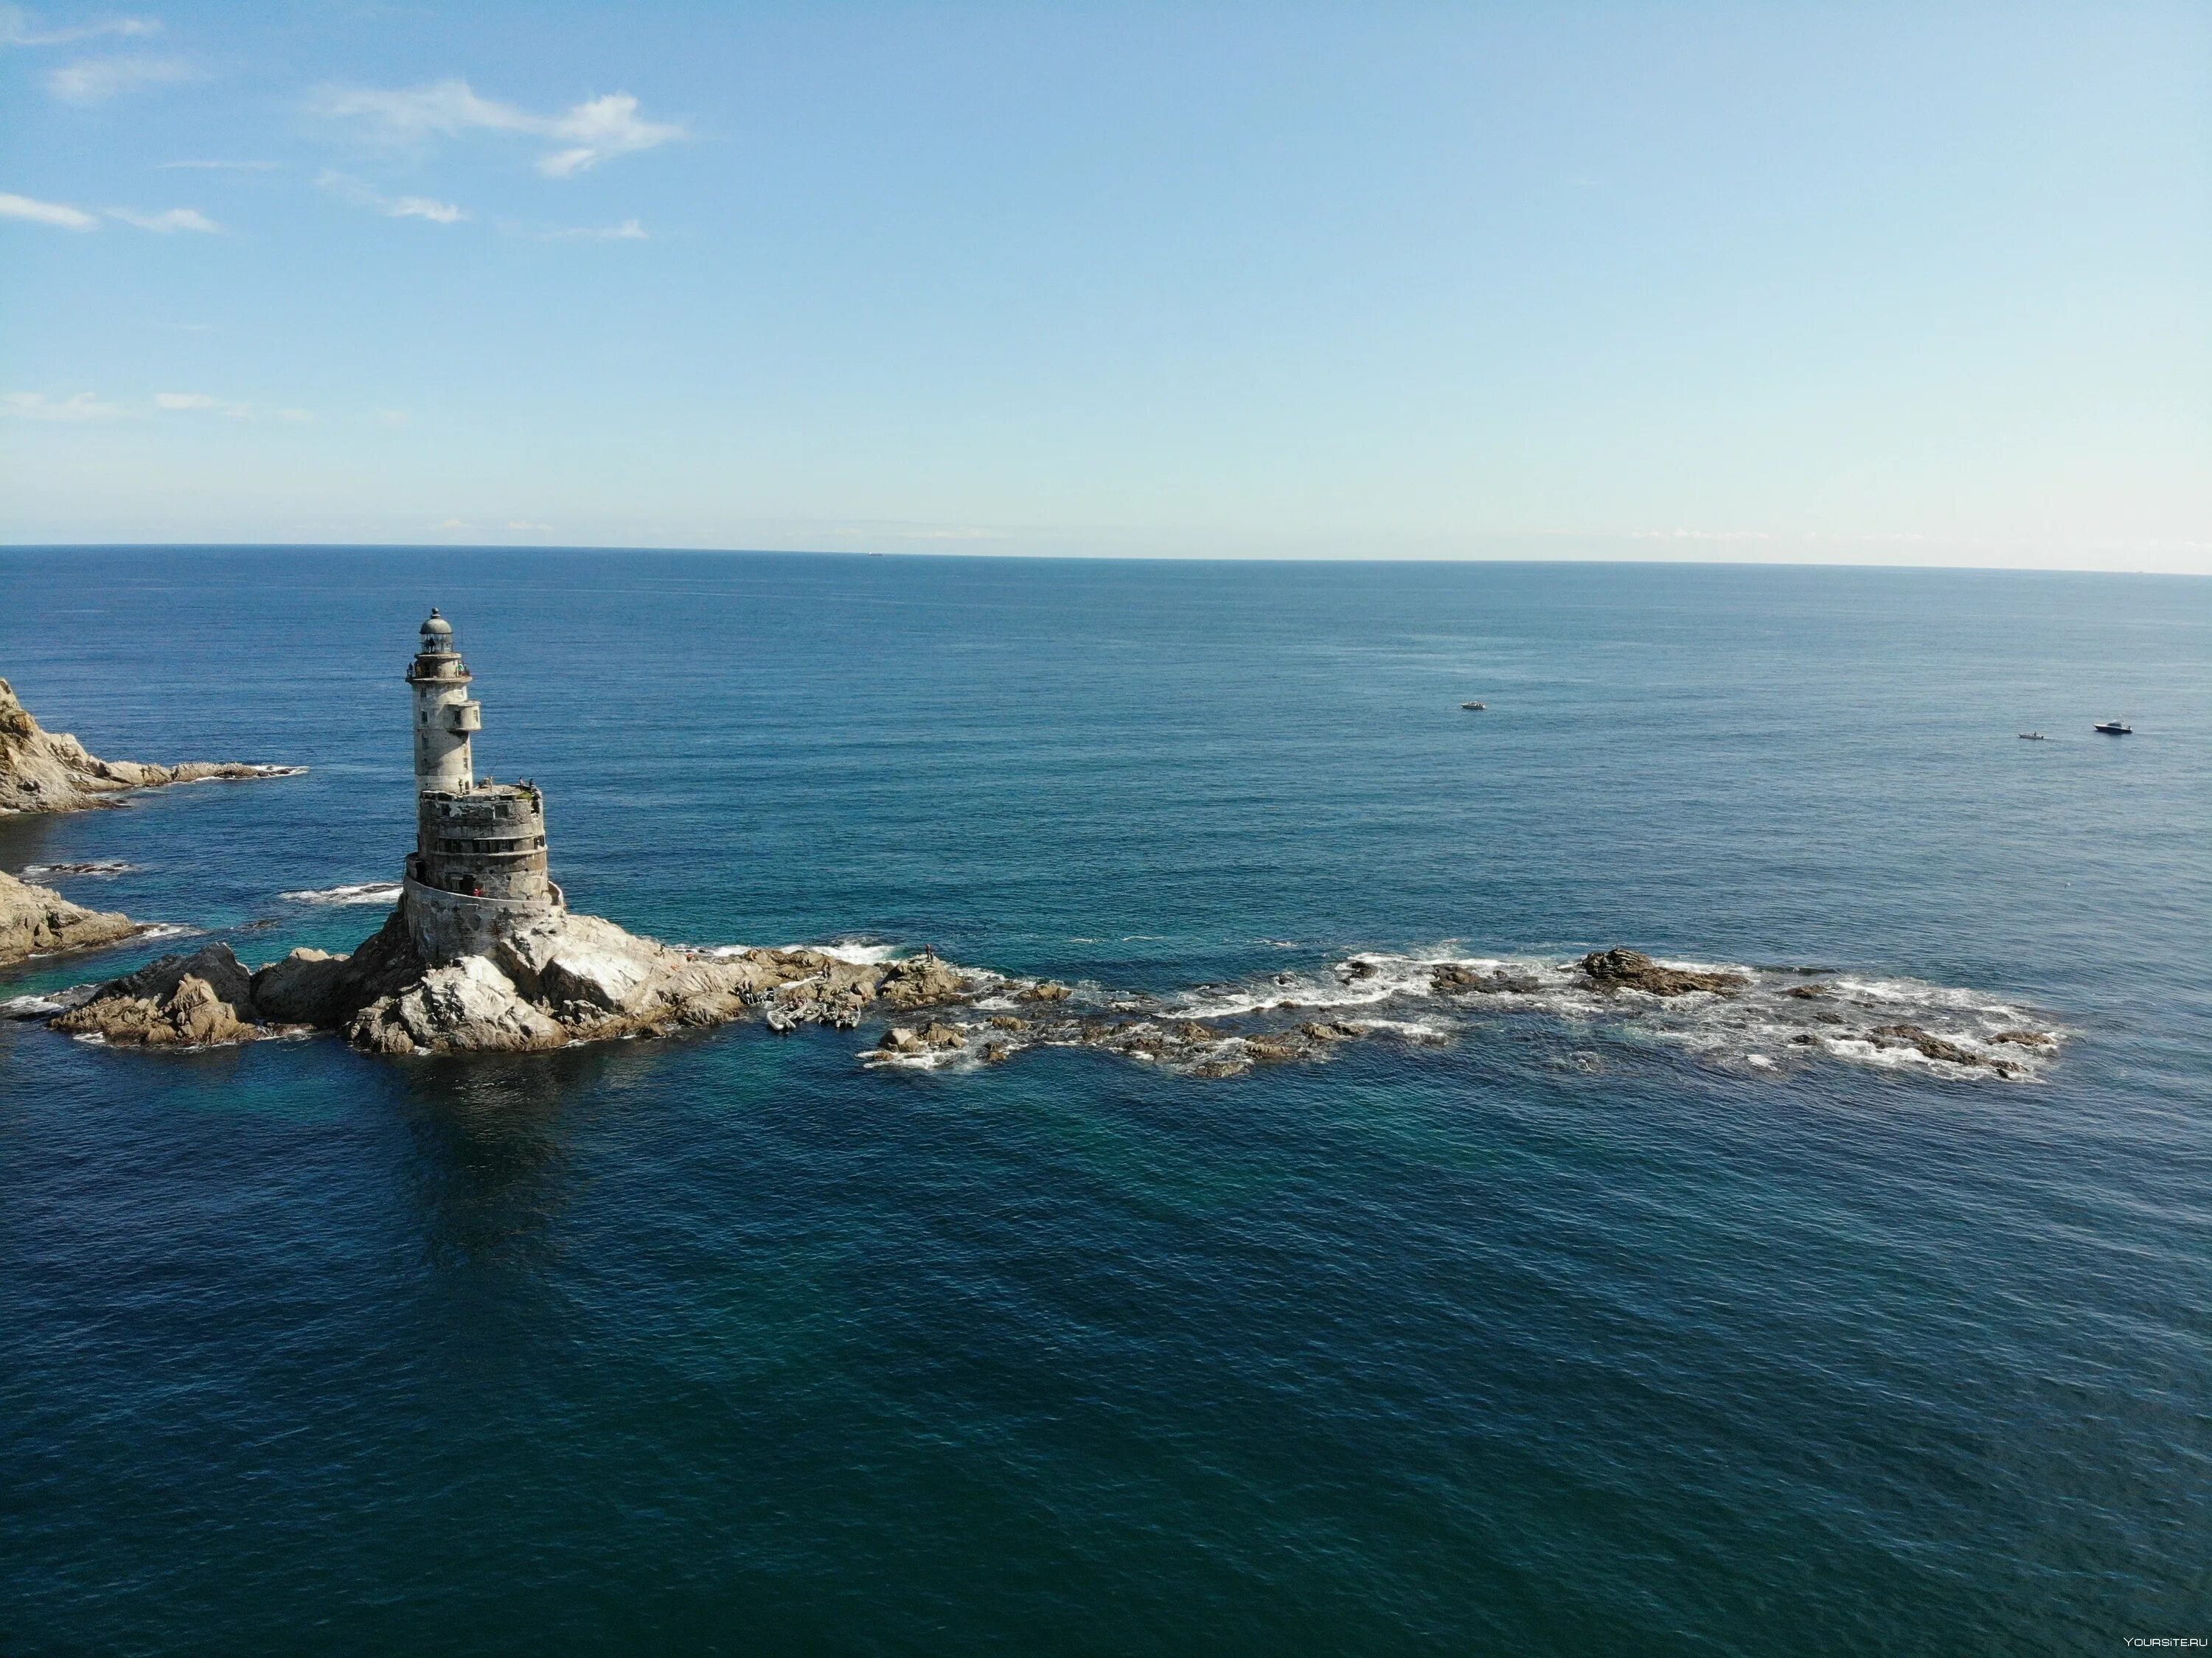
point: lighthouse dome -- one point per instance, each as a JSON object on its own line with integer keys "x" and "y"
{"x": 437, "y": 627}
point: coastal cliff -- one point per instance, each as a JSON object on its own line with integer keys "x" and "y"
{"x": 51, "y": 771}
{"x": 37, "y": 921}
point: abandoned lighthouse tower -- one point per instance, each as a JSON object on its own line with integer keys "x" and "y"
{"x": 478, "y": 869}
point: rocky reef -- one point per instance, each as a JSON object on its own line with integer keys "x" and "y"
{"x": 562, "y": 979}
{"x": 559, "y": 979}
{"x": 51, "y": 771}
{"x": 37, "y": 921}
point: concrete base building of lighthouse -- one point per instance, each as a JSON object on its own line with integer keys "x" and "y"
{"x": 479, "y": 866}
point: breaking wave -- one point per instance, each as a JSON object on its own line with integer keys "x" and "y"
{"x": 98, "y": 867}
{"x": 363, "y": 892}
{"x": 1766, "y": 1022}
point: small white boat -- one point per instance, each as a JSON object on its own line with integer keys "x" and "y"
{"x": 2114, "y": 728}
{"x": 1474, "y": 708}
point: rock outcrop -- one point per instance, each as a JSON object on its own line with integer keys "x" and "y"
{"x": 1457, "y": 979}
{"x": 50, "y": 771}
{"x": 1631, "y": 970}
{"x": 201, "y": 1001}
{"x": 36, "y": 922}
{"x": 556, "y": 979}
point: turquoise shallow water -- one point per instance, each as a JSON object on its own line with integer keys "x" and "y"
{"x": 1557, "y": 1335}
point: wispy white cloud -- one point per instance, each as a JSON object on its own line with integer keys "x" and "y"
{"x": 629, "y": 230}
{"x": 18, "y": 27}
{"x": 169, "y": 220}
{"x": 218, "y": 166}
{"x": 583, "y": 136}
{"x": 423, "y": 207}
{"x": 36, "y": 405}
{"x": 392, "y": 419}
{"x": 52, "y": 213}
{"x": 392, "y": 207}
{"x": 96, "y": 80}
{"x": 294, "y": 416}
{"x": 525, "y": 524}
{"x": 1698, "y": 535}
{"x": 199, "y": 402}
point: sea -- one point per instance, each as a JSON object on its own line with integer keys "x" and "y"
{"x": 1549, "y": 1322}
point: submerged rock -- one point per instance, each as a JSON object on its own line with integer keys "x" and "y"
{"x": 1456, "y": 979}
{"x": 50, "y": 771}
{"x": 1631, "y": 970}
{"x": 38, "y": 921}
{"x": 1930, "y": 1045}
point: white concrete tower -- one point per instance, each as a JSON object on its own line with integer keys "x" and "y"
{"x": 444, "y": 716}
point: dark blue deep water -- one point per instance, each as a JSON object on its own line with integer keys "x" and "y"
{"x": 1554, "y": 1335}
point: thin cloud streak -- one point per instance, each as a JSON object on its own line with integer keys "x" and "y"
{"x": 392, "y": 207}
{"x": 586, "y": 134}
{"x": 36, "y": 405}
{"x": 48, "y": 213}
{"x": 98, "y": 79}
{"x": 19, "y": 28}
{"x": 629, "y": 230}
{"x": 163, "y": 223}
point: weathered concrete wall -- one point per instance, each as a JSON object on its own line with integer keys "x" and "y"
{"x": 446, "y": 926}
{"x": 490, "y": 842}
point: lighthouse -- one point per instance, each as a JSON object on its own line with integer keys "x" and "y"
{"x": 445, "y": 717}
{"x": 479, "y": 867}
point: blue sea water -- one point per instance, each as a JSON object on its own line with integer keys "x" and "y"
{"x": 1554, "y": 1333}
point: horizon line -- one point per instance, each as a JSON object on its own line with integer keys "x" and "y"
{"x": 1072, "y": 558}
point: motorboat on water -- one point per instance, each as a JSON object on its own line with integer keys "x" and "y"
{"x": 1474, "y": 708}
{"x": 2033, "y": 736}
{"x": 2114, "y": 728}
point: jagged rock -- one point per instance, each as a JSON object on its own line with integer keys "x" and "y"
{"x": 216, "y": 963}
{"x": 51, "y": 771}
{"x": 1008, "y": 1022}
{"x": 1359, "y": 967}
{"x": 920, "y": 980}
{"x": 935, "y": 1037}
{"x": 1332, "y": 1032}
{"x": 1806, "y": 993}
{"x": 469, "y": 1007}
{"x": 2026, "y": 1038}
{"x": 36, "y": 922}
{"x": 996, "y": 1053}
{"x": 181, "y": 1001}
{"x": 1631, "y": 970}
{"x": 313, "y": 988}
{"x": 307, "y": 987}
{"x": 1456, "y": 978}
{"x": 563, "y": 957}
{"x": 1935, "y": 1047}
{"x": 1045, "y": 990}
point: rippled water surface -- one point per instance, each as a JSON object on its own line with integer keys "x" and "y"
{"x": 1548, "y": 1323}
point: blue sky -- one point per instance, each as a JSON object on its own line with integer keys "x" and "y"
{"x": 1863, "y": 283}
